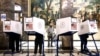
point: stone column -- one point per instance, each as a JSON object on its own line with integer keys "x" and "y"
{"x": 6, "y": 6}
{"x": 25, "y": 7}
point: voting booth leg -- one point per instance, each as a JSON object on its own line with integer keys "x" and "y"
{"x": 28, "y": 47}
{"x": 97, "y": 54}
{"x": 43, "y": 48}
{"x": 71, "y": 45}
{"x": 20, "y": 45}
{"x": 57, "y": 47}
{"x": 7, "y": 49}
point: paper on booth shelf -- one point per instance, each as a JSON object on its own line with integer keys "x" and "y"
{"x": 87, "y": 27}
{"x": 67, "y": 24}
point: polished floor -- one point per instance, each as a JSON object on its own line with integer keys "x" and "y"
{"x": 46, "y": 54}
{"x": 51, "y": 51}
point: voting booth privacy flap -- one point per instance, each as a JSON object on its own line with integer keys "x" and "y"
{"x": 67, "y": 24}
{"x": 12, "y": 26}
{"x": 34, "y": 24}
{"x": 88, "y": 27}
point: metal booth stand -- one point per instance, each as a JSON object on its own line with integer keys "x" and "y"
{"x": 97, "y": 53}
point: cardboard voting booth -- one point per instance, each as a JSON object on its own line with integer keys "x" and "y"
{"x": 88, "y": 27}
{"x": 34, "y": 24}
{"x": 65, "y": 25}
{"x": 12, "y": 27}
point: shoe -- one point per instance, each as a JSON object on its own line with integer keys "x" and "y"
{"x": 40, "y": 54}
{"x": 51, "y": 45}
{"x": 82, "y": 51}
{"x": 17, "y": 51}
{"x": 34, "y": 55}
{"x": 86, "y": 50}
{"x": 13, "y": 53}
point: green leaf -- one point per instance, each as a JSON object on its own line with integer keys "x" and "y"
{"x": 94, "y": 2}
{"x": 89, "y": 7}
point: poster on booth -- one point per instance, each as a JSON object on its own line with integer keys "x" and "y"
{"x": 28, "y": 23}
{"x": 74, "y": 24}
{"x": 93, "y": 27}
{"x": 7, "y": 25}
{"x": 29, "y": 26}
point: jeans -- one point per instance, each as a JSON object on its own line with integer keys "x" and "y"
{"x": 83, "y": 39}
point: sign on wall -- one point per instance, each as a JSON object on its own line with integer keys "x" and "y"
{"x": 3, "y": 17}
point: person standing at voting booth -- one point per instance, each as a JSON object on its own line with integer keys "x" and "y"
{"x": 35, "y": 26}
{"x": 14, "y": 36}
{"x": 84, "y": 37}
{"x": 14, "y": 42}
{"x": 38, "y": 42}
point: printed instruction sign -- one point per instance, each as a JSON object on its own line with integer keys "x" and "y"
{"x": 3, "y": 17}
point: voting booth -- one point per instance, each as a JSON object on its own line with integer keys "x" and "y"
{"x": 12, "y": 27}
{"x": 66, "y": 25}
{"x": 88, "y": 27}
{"x": 14, "y": 30}
{"x": 34, "y": 24}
